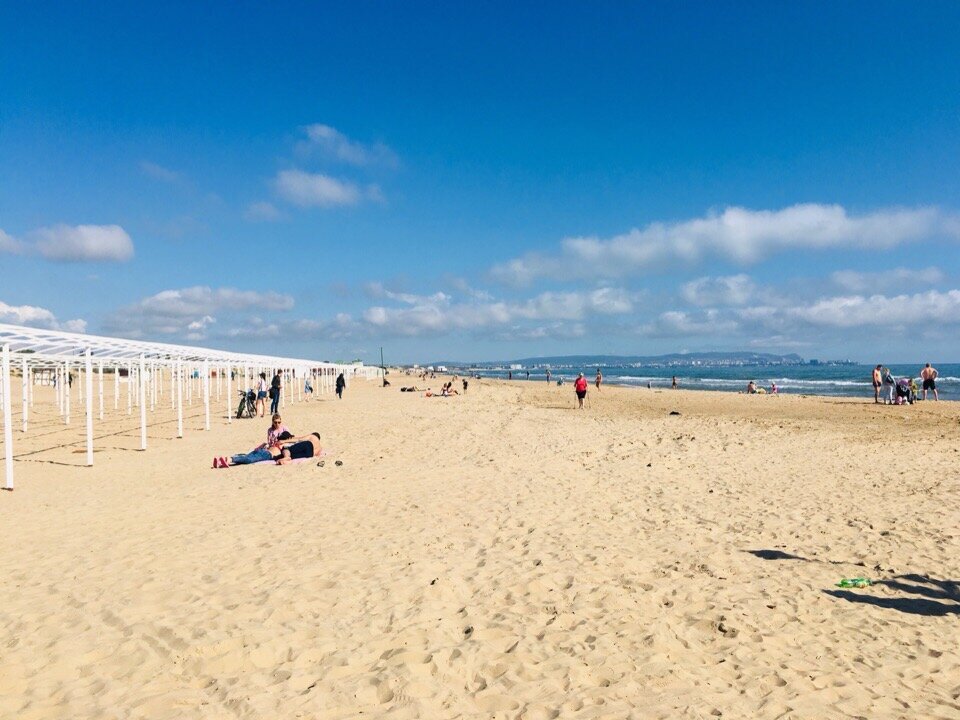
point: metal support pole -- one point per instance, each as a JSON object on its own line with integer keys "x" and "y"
{"x": 88, "y": 379}
{"x": 116, "y": 387}
{"x": 173, "y": 386}
{"x": 66, "y": 389}
{"x": 100, "y": 389}
{"x": 7, "y": 429}
{"x": 143, "y": 406}
{"x": 206, "y": 394}
{"x": 129, "y": 389}
{"x": 26, "y": 392}
{"x": 179, "y": 399}
{"x": 229, "y": 374}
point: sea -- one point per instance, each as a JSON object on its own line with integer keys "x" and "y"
{"x": 830, "y": 380}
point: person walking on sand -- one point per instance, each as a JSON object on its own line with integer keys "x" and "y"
{"x": 929, "y": 376}
{"x": 674, "y": 384}
{"x": 262, "y": 388}
{"x": 548, "y": 377}
{"x": 580, "y": 386}
{"x": 599, "y": 379}
{"x": 276, "y": 387}
{"x": 341, "y": 384}
{"x": 877, "y": 382}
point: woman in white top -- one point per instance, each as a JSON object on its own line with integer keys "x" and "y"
{"x": 262, "y": 386}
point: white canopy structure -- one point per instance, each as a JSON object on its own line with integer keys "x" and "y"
{"x": 49, "y": 358}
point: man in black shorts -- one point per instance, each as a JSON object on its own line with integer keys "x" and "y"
{"x": 305, "y": 446}
{"x": 929, "y": 377}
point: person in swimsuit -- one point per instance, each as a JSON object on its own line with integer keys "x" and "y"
{"x": 599, "y": 379}
{"x": 581, "y": 388}
{"x": 877, "y": 382}
{"x": 929, "y": 377}
{"x": 306, "y": 446}
{"x": 674, "y": 385}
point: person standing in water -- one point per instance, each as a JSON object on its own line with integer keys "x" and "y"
{"x": 548, "y": 376}
{"x": 674, "y": 385}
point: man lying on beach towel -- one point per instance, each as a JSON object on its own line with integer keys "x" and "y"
{"x": 307, "y": 446}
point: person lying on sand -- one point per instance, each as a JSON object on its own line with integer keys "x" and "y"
{"x": 306, "y": 446}
{"x": 260, "y": 454}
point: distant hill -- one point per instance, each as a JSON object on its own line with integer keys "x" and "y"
{"x": 704, "y": 358}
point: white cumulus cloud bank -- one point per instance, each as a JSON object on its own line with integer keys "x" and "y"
{"x": 739, "y": 234}
{"x": 802, "y": 322}
{"x": 861, "y": 282}
{"x": 730, "y": 290}
{"x": 190, "y": 312}
{"x": 440, "y": 314}
{"x": 39, "y": 317}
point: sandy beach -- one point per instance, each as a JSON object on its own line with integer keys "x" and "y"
{"x": 494, "y": 555}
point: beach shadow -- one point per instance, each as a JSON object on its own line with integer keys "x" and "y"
{"x": 775, "y": 555}
{"x": 932, "y": 591}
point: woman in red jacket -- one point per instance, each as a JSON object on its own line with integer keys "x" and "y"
{"x": 581, "y": 387}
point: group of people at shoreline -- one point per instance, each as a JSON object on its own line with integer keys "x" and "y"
{"x": 884, "y": 381}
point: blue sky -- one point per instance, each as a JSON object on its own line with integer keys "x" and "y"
{"x": 490, "y": 182}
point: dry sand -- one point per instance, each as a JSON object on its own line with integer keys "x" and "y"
{"x": 497, "y": 555}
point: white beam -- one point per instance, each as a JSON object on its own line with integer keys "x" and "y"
{"x": 88, "y": 379}
{"x": 143, "y": 406}
{"x": 7, "y": 429}
{"x": 206, "y": 395}
{"x": 179, "y": 372}
{"x": 25, "y": 400}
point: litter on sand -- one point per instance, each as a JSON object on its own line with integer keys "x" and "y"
{"x": 854, "y": 582}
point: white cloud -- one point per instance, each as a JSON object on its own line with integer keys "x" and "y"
{"x": 333, "y": 144}
{"x": 315, "y": 189}
{"x": 853, "y": 311}
{"x": 262, "y": 211}
{"x": 730, "y": 290}
{"x": 189, "y": 312}
{"x": 676, "y": 323}
{"x": 84, "y": 243}
{"x": 9, "y": 244}
{"x": 878, "y": 282}
{"x": 158, "y": 172}
{"x": 439, "y": 314}
{"x": 739, "y": 234}
{"x": 34, "y": 316}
